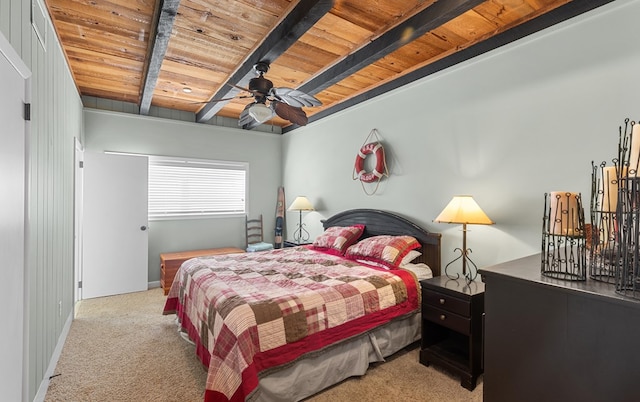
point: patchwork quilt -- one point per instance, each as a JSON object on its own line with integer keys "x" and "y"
{"x": 251, "y": 312}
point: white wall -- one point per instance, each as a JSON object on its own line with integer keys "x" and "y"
{"x": 505, "y": 127}
{"x": 122, "y": 132}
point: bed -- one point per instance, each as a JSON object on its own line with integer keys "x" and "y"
{"x": 282, "y": 325}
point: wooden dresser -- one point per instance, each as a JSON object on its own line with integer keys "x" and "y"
{"x": 170, "y": 262}
{"x": 553, "y": 340}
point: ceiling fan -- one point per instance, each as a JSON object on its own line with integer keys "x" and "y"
{"x": 284, "y": 102}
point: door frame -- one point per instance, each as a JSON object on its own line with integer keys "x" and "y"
{"x": 77, "y": 216}
{"x": 21, "y": 68}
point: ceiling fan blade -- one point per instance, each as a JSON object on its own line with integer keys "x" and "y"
{"x": 294, "y": 97}
{"x": 225, "y": 99}
{"x": 254, "y": 93}
{"x": 291, "y": 113}
{"x": 239, "y": 87}
{"x": 262, "y": 88}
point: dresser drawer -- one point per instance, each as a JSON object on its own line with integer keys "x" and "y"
{"x": 445, "y": 302}
{"x": 447, "y": 319}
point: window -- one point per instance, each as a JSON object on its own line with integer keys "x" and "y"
{"x": 182, "y": 188}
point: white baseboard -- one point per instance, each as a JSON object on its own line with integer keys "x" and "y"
{"x": 152, "y": 285}
{"x": 44, "y": 385}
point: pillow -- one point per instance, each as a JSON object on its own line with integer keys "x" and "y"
{"x": 406, "y": 261}
{"x": 411, "y": 255}
{"x": 420, "y": 270}
{"x": 385, "y": 249}
{"x": 336, "y": 239}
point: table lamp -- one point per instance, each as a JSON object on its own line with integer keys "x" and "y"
{"x": 301, "y": 203}
{"x": 463, "y": 209}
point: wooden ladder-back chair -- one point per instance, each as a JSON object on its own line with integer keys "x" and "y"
{"x": 255, "y": 235}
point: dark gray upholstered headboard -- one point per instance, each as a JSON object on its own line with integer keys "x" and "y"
{"x": 378, "y": 222}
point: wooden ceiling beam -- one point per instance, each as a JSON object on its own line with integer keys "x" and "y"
{"x": 293, "y": 26}
{"x": 560, "y": 14}
{"x": 412, "y": 28}
{"x": 160, "y": 42}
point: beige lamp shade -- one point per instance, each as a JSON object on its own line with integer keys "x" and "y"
{"x": 463, "y": 209}
{"x": 301, "y": 203}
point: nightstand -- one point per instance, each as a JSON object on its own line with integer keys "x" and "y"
{"x": 291, "y": 243}
{"x": 452, "y": 318}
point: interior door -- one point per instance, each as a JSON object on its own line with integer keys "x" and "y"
{"x": 13, "y": 142}
{"x": 114, "y": 224}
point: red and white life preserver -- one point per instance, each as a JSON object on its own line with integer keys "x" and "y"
{"x": 379, "y": 171}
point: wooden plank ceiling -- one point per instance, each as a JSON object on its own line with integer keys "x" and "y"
{"x": 187, "y": 54}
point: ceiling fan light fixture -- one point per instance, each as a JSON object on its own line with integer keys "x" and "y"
{"x": 260, "y": 112}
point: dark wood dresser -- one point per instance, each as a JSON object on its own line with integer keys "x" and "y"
{"x": 552, "y": 340}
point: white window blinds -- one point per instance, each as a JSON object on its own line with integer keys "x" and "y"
{"x": 181, "y": 188}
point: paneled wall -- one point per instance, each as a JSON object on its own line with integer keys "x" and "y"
{"x": 505, "y": 127}
{"x": 56, "y": 119}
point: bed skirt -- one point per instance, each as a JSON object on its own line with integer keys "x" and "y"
{"x": 312, "y": 374}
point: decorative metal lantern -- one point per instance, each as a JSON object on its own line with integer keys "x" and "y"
{"x": 627, "y": 278}
{"x": 615, "y": 216}
{"x": 563, "y": 237}
{"x": 603, "y": 233}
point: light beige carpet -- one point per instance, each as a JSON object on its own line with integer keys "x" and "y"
{"x": 121, "y": 348}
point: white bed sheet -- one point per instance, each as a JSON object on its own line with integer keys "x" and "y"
{"x": 420, "y": 270}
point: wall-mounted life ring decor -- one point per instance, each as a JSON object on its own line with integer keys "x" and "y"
{"x": 380, "y": 170}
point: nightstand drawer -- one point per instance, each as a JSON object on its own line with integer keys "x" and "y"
{"x": 447, "y": 319}
{"x": 445, "y": 302}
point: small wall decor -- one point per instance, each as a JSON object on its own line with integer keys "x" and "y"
{"x": 372, "y": 146}
{"x": 563, "y": 237}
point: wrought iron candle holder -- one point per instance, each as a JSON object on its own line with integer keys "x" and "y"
{"x": 563, "y": 237}
{"x": 603, "y": 233}
{"x": 612, "y": 241}
{"x": 627, "y": 278}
